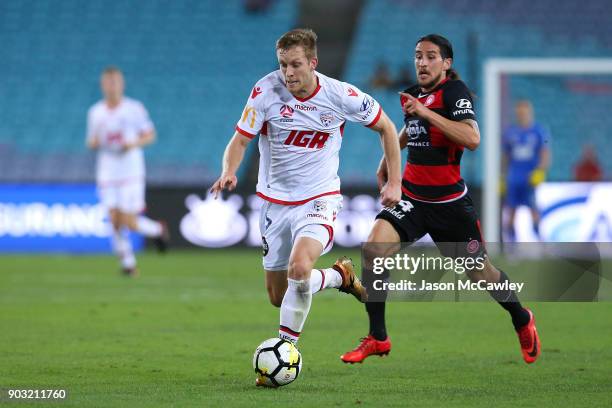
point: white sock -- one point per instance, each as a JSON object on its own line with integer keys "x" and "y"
{"x": 148, "y": 227}
{"x": 294, "y": 309}
{"x": 324, "y": 278}
{"x": 123, "y": 248}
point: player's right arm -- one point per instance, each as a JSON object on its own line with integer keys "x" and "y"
{"x": 232, "y": 157}
{"x": 249, "y": 126}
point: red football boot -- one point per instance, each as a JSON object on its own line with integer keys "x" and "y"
{"x": 368, "y": 346}
{"x": 529, "y": 339}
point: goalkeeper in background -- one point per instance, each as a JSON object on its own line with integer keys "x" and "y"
{"x": 526, "y": 160}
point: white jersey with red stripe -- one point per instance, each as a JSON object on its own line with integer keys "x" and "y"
{"x": 113, "y": 127}
{"x": 300, "y": 138}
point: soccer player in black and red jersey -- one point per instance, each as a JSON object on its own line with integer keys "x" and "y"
{"x": 439, "y": 123}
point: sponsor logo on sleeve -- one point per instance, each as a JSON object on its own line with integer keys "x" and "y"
{"x": 249, "y": 112}
{"x": 464, "y": 107}
{"x": 351, "y": 92}
{"x": 463, "y": 104}
{"x": 366, "y": 103}
{"x": 367, "y": 106}
{"x": 256, "y": 91}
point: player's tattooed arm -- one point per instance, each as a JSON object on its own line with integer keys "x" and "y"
{"x": 234, "y": 153}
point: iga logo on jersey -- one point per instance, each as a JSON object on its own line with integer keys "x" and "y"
{"x": 327, "y": 118}
{"x": 306, "y": 138}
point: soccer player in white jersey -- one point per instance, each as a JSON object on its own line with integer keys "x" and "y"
{"x": 118, "y": 127}
{"x": 299, "y": 115}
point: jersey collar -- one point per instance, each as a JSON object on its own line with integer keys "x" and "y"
{"x": 313, "y": 92}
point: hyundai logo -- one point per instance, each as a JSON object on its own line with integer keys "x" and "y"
{"x": 463, "y": 104}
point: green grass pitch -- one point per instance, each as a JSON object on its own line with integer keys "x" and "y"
{"x": 183, "y": 334}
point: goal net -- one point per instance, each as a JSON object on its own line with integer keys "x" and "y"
{"x": 573, "y": 99}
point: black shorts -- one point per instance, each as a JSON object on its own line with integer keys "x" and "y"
{"x": 453, "y": 226}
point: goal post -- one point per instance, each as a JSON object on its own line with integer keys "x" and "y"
{"x": 494, "y": 68}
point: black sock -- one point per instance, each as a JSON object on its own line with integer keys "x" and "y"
{"x": 376, "y": 313}
{"x": 376, "y": 307}
{"x": 509, "y": 301}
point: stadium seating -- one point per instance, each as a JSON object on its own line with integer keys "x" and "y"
{"x": 192, "y": 63}
{"x": 388, "y": 29}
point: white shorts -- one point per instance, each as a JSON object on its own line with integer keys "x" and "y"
{"x": 280, "y": 225}
{"x": 126, "y": 197}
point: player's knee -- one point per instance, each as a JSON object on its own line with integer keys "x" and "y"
{"x": 129, "y": 221}
{"x": 116, "y": 222}
{"x": 488, "y": 273}
{"x": 299, "y": 269}
{"x": 370, "y": 253}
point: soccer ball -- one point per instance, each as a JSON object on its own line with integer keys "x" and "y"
{"x": 277, "y": 362}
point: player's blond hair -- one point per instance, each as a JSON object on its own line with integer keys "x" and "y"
{"x": 304, "y": 37}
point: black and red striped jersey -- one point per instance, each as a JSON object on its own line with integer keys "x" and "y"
{"x": 432, "y": 173}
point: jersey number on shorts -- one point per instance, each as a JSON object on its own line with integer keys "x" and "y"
{"x": 307, "y": 138}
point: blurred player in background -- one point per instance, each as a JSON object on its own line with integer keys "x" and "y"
{"x": 526, "y": 158}
{"x": 300, "y": 115}
{"x": 440, "y": 123}
{"x": 118, "y": 127}
{"x": 588, "y": 167}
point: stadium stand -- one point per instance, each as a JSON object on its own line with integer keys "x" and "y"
{"x": 574, "y": 108}
{"x": 193, "y": 82}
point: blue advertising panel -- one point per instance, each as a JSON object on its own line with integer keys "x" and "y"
{"x": 569, "y": 212}
{"x": 54, "y": 218}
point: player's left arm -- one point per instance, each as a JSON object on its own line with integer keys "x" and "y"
{"x": 391, "y": 191}
{"x": 146, "y": 137}
{"x": 544, "y": 163}
{"x": 146, "y": 130}
{"x": 464, "y": 132}
{"x": 360, "y": 107}
{"x": 538, "y": 175}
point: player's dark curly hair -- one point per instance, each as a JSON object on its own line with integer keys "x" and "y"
{"x": 446, "y": 51}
